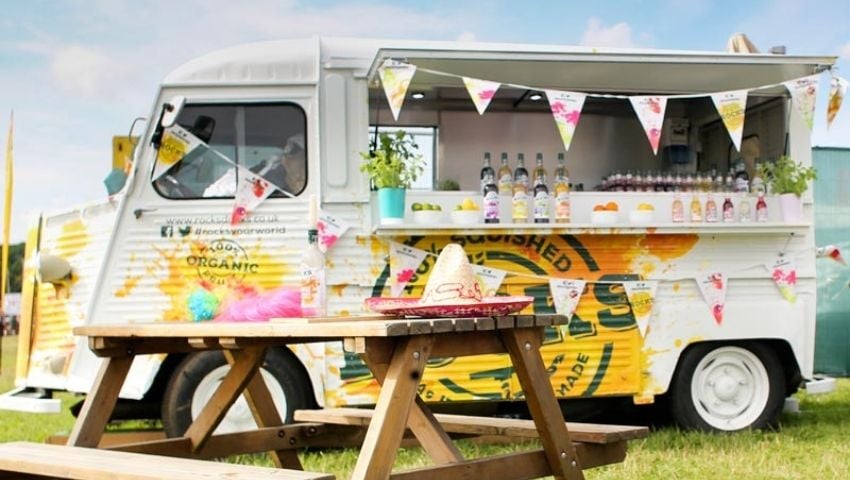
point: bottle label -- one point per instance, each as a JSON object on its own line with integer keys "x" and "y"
{"x": 520, "y": 206}
{"x": 761, "y": 212}
{"x": 728, "y": 212}
{"x": 541, "y": 206}
{"x": 312, "y": 291}
{"x": 506, "y": 184}
{"x": 491, "y": 205}
{"x": 744, "y": 210}
{"x": 562, "y": 206}
{"x": 710, "y": 211}
{"x": 678, "y": 211}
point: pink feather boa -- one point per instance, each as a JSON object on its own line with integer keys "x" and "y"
{"x": 283, "y": 302}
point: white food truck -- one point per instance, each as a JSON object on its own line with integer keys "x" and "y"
{"x": 140, "y": 255}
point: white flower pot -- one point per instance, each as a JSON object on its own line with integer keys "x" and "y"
{"x": 791, "y": 207}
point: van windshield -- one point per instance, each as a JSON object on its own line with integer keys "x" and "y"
{"x": 268, "y": 139}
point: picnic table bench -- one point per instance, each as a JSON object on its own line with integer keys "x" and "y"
{"x": 396, "y": 351}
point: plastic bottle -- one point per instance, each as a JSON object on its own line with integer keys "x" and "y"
{"x": 728, "y": 209}
{"x": 562, "y": 192}
{"x": 745, "y": 213}
{"x": 520, "y": 191}
{"x": 313, "y": 288}
{"x": 541, "y": 192}
{"x": 696, "y": 209}
{"x": 678, "y": 209}
{"x": 506, "y": 178}
{"x": 761, "y": 209}
{"x": 710, "y": 209}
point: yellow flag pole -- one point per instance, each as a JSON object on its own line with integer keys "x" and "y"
{"x": 7, "y": 220}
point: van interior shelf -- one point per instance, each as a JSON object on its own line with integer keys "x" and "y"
{"x": 773, "y": 228}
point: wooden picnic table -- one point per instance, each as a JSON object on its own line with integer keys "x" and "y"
{"x": 396, "y": 351}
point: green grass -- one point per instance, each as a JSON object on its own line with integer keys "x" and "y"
{"x": 814, "y": 444}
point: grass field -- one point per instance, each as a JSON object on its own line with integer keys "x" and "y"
{"x": 814, "y": 444}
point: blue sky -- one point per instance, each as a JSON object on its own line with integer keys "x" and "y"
{"x": 78, "y": 72}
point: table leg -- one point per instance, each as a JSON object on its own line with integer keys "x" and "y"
{"x": 434, "y": 440}
{"x": 392, "y": 410}
{"x": 523, "y": 345}
{"x": 100, "y": 402}
{"x": 241, "y": 372}
{"x": 265, "y": 413}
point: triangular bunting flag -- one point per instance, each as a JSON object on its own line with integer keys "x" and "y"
{"x": 837, "y": 90}
{"x": 566, "y": 295}
{"x": 395, "y": 77}
{"x": 713, "y": 288}
{"x": 481, "y": 92}
{"x": 404, "y": 261}
{"x": 490, "y": 279}
{"x": 732, "y": 107}
{"x": 650, "y": 112}
{"x": 566, "y": 108}
{"x": 831, "y": 251}
{"x": 784, "y": 273}
{"x": 330, "y": 230}
{"x": 251, "y": 190}
{"x": 642, "y": 299}
{"x": 803, "y": 95}
{"x": 177, "y": 143}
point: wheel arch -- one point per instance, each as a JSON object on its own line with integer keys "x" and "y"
{"x": 782, "y": 349}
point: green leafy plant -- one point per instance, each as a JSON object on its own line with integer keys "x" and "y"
{"x": 787, "y": 176}
{"x": 394, "y": 162}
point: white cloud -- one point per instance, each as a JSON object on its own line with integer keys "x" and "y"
{"x": 82, "y": 70}
{"x": 844, "y": 51}
{"x": 598, "y": 35}
{"x": 466, "y": 37}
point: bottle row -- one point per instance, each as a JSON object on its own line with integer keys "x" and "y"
{"x": 525, "y": 192}
{"x": 666, "y": 181}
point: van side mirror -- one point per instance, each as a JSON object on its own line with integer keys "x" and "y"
{"x": 167, "y": 117}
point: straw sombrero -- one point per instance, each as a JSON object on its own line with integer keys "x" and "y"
{"x": 452, "y": 291}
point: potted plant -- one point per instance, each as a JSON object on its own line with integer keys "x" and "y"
{"x": 788, "y": 179}
{"x": 392, "y": 163}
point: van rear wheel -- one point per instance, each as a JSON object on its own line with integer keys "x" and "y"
{"x": 728, "y": 388}
{"x": 198, "y": 376}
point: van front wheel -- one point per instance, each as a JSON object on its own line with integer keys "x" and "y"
{"x": 728, "y": 388}
{"x": 198, "y": 376}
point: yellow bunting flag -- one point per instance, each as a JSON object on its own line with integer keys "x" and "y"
{"x": 837, "y": 90}
{"x": 481, "y": 92}
{"x": 732, "y": 107}
{"x": 566, "y": 109}
{"x": 395, "y": 77}
{"x": 642, "y": 299}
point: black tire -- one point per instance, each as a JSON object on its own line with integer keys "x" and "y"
{"x": 728, "y": 387}
{"x": 192, "y": 372}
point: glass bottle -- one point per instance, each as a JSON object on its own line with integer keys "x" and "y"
{"x": 506, "y": 182}
{"x": 710, "y": 209}
{"x": 487, "y": 172}
{"x": 490, "y": 192}
{"x": 541, "y": 192}
{"x": 745, "y": 213}
{"x": 761, "y": 209}
{"x": 757, "y": 184}
{"x": 728, "y": 209}
{"x": 562, "y": 191}
{"x": 696, "y": 209}
{"x": 678, "y": 209}
{"x": 520, "y": 191}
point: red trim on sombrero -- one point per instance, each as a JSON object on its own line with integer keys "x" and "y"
{"x": 489, "y": 306}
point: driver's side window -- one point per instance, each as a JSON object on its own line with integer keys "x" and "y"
{"x": 258, "y": 137}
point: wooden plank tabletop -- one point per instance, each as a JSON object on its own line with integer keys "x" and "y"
{"x": 318, "y": 328}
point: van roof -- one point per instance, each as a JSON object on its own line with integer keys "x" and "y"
{"x": 298, "y": 61}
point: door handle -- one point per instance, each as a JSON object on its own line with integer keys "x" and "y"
{"x": 139, "y": 211}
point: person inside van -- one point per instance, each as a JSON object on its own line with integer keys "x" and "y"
{"x": 287, "y": 171}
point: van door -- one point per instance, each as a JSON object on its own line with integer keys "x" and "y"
{"x": 176, "y": 256}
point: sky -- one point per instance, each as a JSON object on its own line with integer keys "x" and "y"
{"x": 78, "y": 72}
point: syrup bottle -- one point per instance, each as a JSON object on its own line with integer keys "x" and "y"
{"x": 678, "y": 209}
{"x": 696, "y": 209}
{"x": 710, "y": 209}
{"x": 562, "y": 192}
{"x": 541, "y": 192}
{"x": 761, "y": 209}
{"x": 728, "y": 209}
{"x": 520, "y": 191}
